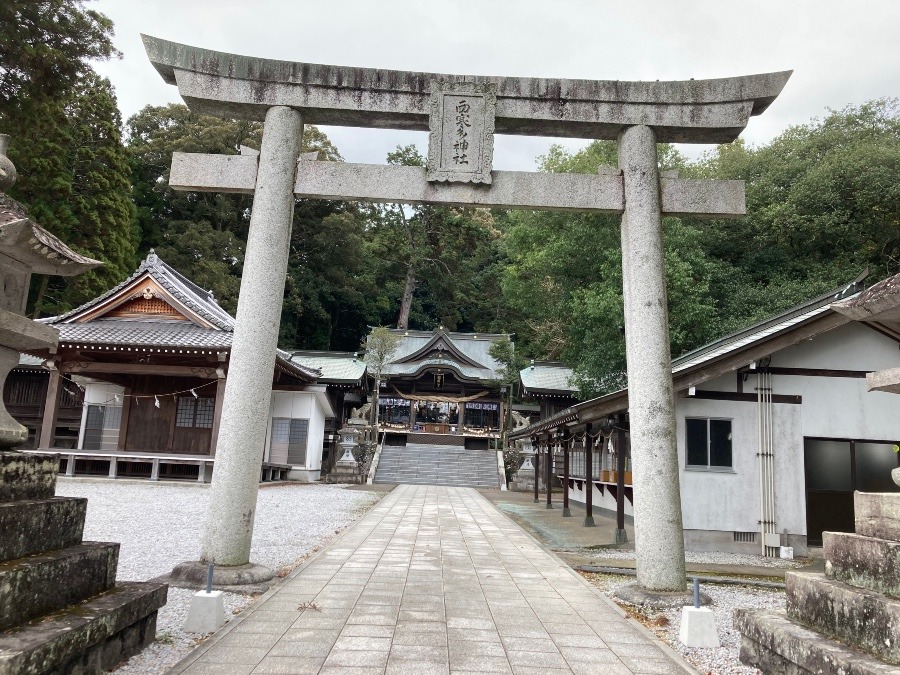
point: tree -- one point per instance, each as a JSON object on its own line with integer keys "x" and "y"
{"x": 434, "y": 265}
{"x": 823, "y": 202}
{"x": 564, "y": 278}
{"x": 45, "y": 48}
{"x": 66, "y": 141}
{"x": 77, "y": 186}
{"x": 380, "y": 347}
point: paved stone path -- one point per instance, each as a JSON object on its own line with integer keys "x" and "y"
{"x": 434, "y": 580}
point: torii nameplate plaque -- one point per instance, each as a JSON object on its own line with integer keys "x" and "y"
{"x": 461, "y": 125}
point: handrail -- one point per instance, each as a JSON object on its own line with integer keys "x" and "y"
{"x": 370, "y": 479}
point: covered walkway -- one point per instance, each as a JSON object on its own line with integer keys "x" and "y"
{"x": 433, "y": 580}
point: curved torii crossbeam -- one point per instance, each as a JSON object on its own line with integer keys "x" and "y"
{"x": 462, "y": 114}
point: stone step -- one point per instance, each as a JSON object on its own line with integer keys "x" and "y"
{"x": 24, "y": 476}
{"x": 91, "y": 637}
{"x": 864, "y": 562}
{"x": 47, "y": 582}
{"x": 877, "y": 514}
{"x": 857, "y": 616}
{"x": 34, "y": 526}
{"x": 438, "y": 484}
{"x": 775, "y": 644}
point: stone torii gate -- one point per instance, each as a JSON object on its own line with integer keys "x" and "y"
{"x": 462, "y": 114}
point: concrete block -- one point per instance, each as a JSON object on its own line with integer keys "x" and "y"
{"x": 775, "y": 644}
{"x": 698, "y": 628}
{"x": 864, "y": 562}
{"x": 24, "y": 476}
{"x": 207, "y": 613}
{"x": 90, "y": 637}
{"x": 40, "y": 584}
{"x": 35, "y": 526}
{"x": 877, "y": 514}
{"x": 853, "y": 615}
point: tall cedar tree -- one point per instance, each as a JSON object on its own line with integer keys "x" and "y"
{"x": 205, "y": 232}
{"x": 66, "y": 143}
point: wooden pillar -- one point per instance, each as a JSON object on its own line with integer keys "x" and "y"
{"x": 123, "y": 422}
{"x": 217, "y": 413}
{"x": 536, "y": 461}
{"x": 621, "y": 535}
{"x": 51, "y": 409}
{"x": 548, "y": 473}
{"x": 566, "y": 448}
{"x": 588, "y": 477}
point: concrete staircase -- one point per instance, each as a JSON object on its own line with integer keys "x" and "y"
{"x": 450, "y": 465}
{"x": 843, "y": 622}
{"x": 61, "y": 610}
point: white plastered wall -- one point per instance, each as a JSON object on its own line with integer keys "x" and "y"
{"x": 98, "y": 393}
{"x": 301, "y": 405}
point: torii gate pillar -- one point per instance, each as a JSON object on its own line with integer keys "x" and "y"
{"x": 245, "y": 409}
{"x": 659, "y": 544}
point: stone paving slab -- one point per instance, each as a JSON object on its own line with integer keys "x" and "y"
{"x": 433, "y": 580}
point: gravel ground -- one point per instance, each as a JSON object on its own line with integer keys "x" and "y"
{"x": 725, "y": 599}
{"x": 158, "y": 526}
{"x": 714, "y": 558}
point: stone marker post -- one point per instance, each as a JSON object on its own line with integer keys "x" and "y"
{"x": 245, "y": 410}
{"x": 659, "y": 544}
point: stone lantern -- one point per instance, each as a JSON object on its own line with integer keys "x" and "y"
{"x": 25, "y": 249}
{"x": 348, "y": 443}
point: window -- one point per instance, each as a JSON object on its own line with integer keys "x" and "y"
{"x": 195, "y": 412}
{"x": 289, "y": 440}
{"x": 708, "y": 442}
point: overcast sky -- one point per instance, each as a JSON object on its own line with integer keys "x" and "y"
{"x": 842, "y": 53}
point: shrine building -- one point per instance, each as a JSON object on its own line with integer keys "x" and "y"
{"x": 151, "y": 358}
{"x": 442, "y": 388}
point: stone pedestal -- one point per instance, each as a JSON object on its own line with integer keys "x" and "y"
{"x": 523, "y": 479}
{"x": 346, "y": 469}
{"x": 62, "y": 610}
{"x": 842, "y": 621}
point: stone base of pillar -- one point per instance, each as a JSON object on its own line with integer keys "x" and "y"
{"x": 523, "y": 480}
{"x": 566, "y": 512}
{"x": 621, "y": 537}
{"x": 589, "y": 522}
{"x": 634, "y": 594}
{"x": 250, "y": 578}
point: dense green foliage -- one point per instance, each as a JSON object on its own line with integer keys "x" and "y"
{"x": 66, "y": 139}
{"x": 204, "y": 233}
{"x": 823, "y": 202}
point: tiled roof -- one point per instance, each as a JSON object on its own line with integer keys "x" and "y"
{"x": 28, "y": 361}
{"x": 182, "y": 289}
{"x": 757, "y": 333}
{"x": 139, "y": 333}
{"x": 336, "y": 367}
{"x": 548, "y": 377}
{"x": 163, "y": 333}
{"x": 474, "y": 346}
